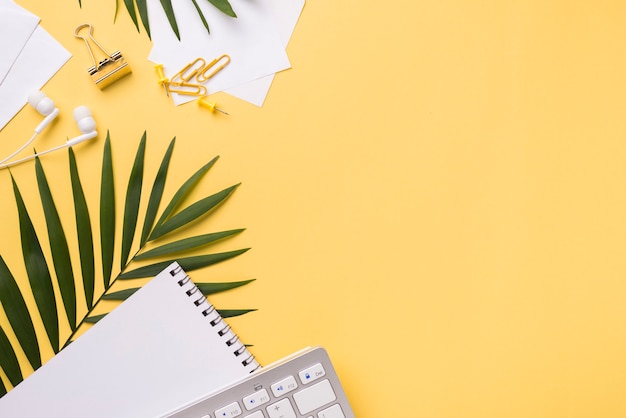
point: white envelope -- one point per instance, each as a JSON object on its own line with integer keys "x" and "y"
{"x": 16, "y": 27}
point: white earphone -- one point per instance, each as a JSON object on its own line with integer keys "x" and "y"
{"x": 45, "y": 106}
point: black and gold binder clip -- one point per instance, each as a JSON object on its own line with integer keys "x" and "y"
{"x": 107, "y": 70}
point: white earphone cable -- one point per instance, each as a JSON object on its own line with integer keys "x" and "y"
{"x": 20, "y": 149}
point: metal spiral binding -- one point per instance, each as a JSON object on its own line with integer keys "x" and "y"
{"x": 233, "y": 342}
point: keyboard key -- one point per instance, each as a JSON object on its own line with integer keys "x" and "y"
{"x": 332, "y": 412}
{"x": 232, "y": 410}
{"x": 311, "y": 373}
{"x": 257, "y": 398}
{"x": 314, "y": 397}
{"x": 257, "y": 414}
{"x": 284, "y": 386}
{"x": 281, "y": 409}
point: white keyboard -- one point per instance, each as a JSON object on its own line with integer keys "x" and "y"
{"x": 304, "y": 385}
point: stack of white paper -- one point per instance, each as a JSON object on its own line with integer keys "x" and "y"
{"x": 29, "y": 57}
{"x": 255, "y": 41}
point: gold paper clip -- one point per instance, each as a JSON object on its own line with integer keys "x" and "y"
{"x": 219, "y": 62}
{"x": 187, "y": 89}
{"x": 190, "y": 71}
{"x": 108, "y": 70}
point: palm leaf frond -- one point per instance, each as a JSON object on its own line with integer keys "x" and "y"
{"x": 18, "y": 315}
{"x": 133, "y": 198}
{"x": 83, "y": 231}
{"x": 186, "y": 244}
{"x": 8, "y": 361}
{"x": 37, "y": 271}
{"x": 107, "y": 213}
{"x": 187, "y": 263}
{"x": 192, "y": 212}
{"x": 42, "y": 283}
{"x": 156, "y": 194}
{"x": 58, "y": 246}
{"x": 130, "y": 7}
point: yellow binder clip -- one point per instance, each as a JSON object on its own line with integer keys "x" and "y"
{"x": 109, "y": 69}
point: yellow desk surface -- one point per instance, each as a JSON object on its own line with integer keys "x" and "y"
{"x": 435, "y": 192}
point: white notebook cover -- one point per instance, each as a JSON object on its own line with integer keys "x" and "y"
{"x": 153, "y": 353}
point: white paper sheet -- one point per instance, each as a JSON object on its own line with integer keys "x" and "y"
{"x": 16, "y": 27}
{"x": 40, "y": 59}
{"x": 252, "y": 40}
{"x": 286, "y": 14}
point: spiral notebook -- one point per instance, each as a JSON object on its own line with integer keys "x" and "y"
{"x": 161, "y": 348}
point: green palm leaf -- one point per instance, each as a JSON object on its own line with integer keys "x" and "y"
{"x": 186, "y": 244}
{"x": 229, "y": 313}
{"x": 58, "y": 246}
{"x": 187, "y": 263}
{"x": 107, "y": 213}
{"x": 205, "y": 288}
{"x": 142, "y": 8}
{"x": 224, "y": 7}
{"x": 133, "y": 199}
{"x": 134, "y": 6}
{"x": 212, "y": 288}
{"x": 204, "y": 22}
{"x": 156, "y": 194}
{"x": 130, "y": 7}
{"x": 83, "y": 230}
{"x": 182, "y": 192}
{"x": 8, "y": 361}
{"x": 18, "y": 315}
{"x": 37, "y": 272}
{"x": 192, "y": 213}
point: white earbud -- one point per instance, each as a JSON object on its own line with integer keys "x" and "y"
{"x": 44, "y": 105}
{"x": 86, "y": 124}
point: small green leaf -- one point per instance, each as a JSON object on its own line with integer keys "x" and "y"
{"x": 188, "y": 264}
{"x": 107, "y": 213}
{"x": 130, "y": 6}
{"x": 18, "y": 315}
{"x": 156, "y": 194}
{"x": 212, "y": 288}
{"x": 58, "y": 246}
{"x": 133, "y": 198}
{"x": 169, "y": 12}
{"x": 192, "y": 212}
{"x": 8, "y": 360}
{"x": 120, "y": 295}
{"x": 37, "y": 272}
{"x": 83, "y": 229}
{"x": 229, "y": 313}
{"x": 204, "y": 22}
{"x": 186, "y": 244}
{"x": 95, "y": 318}
{"x": 224, "y": 7}
{"x": 183, "y": 191}
{"x": 142, "y": 7}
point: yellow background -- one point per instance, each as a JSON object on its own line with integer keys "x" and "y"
{"x": 434, "y": 192}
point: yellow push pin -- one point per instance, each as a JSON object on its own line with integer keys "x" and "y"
{"x": 204, "y": 102}
{"x": 164, "y": 81}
